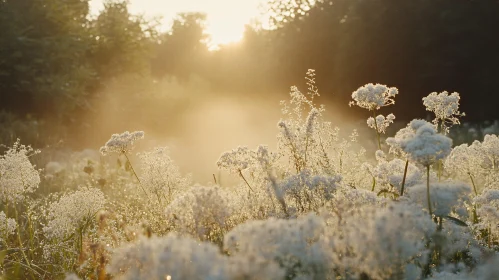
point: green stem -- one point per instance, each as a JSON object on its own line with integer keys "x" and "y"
{"x": 21, "y": 249}
{"x": 242, "y": 176}
{"x": 377, "y": 130}
{"x": 473, "y": 183}
{"x": 403, "y": 179}
{"x": 428, "y": 188}
{"x": 135, "y": 174}
{"x": 475, "y": 215}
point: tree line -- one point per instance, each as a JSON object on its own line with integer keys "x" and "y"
{"x": 55, "y": 58}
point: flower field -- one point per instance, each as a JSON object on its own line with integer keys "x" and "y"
{"x": 319, "y": 206}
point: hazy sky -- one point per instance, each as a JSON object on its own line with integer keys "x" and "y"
{"x": 226, "y": 18}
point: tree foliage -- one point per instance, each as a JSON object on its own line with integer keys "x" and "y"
{"x": 55, "y": 58}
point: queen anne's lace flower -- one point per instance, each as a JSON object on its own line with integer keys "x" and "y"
{"x": 422, "y": 143}
{"x": 7, "y": 227}
{"x": 446, "y": 108}
{"x": 72, "y": 211}
{"x": 381, "y": 123}
{"x": 465, "y": 160}
{"x": 488, "y": 210}
{"x": 160, "y": 175}
{"x": 382, "y": 241}
{"x": 237, "y": 159}
{"x": 201, "y": 212}
{"x": 490, "y": 148}
{"x": 392, "y": 173}
{"x": 18, "y": 176}
{"x": 121, "y": 143}
{"x": 173, "y": 257}
{"x": 374, "y": 96}
{"x": 298, "y": 245}
{"x": 446, "y": 197}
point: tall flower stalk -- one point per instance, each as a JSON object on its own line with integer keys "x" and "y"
{"x": 372, "y": 97}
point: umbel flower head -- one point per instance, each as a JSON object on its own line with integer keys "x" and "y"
{"x": 374, "y": 96}
{"x": 421, "y": 143}
{"x": 446, "y": 108}
{"x": 381, "y": 123}
{"x": 121, "y": 143}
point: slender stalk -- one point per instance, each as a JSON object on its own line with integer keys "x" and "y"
{"x": 475, "y": 215}
{"x": 403, "y": 179}
{"x": 473, "y": 183}
{"x": 28, "y": 263}
{"x": 428, "y": 188}
{"x": 374, "y": 183}
{"x": 135, "y": 174}
{"x": 242, "y": 176}
{"x": 377, "y": 130}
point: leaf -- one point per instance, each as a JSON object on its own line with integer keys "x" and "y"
{"x": 456, "y": 221}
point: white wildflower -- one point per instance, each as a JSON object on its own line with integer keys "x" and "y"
{"x": 392, "y": 172}
{"x": 425, "y": 146}
{"x": 202, "y": 212}
{"x": 236, "y": 160}
{"x": 373, "y": 97}
{"x": 70, "y": 213}
{"x": 488, "y": 210}
{"x": 18, "y": 177}
{"x": 173, "y": 257}
{"x": 160, "y": 175}
{"x": 297, "y": 245}
{"x": 490, "y": 148}
{"x": 7, "y": 227}
{"x": 465, "y": 160}
{"x": 384, "y": 240}
{"x": 121, "y": 143}
{"x": 446, "y": 197}
{"x": 381, "y": 123}
{"x": 445, "y": 107}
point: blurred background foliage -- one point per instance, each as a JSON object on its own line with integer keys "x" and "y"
{"x": 58, "y": 63}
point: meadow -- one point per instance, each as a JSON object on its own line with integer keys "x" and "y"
{"x": 419, "y": 205}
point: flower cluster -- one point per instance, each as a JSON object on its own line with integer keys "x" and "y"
{"x": 381, "y": 122}
{"x": 446, "y": 108}
{"x": 160, "y": 175}
{"x": 422, "y": 143}
{"x": 121, "y": 143}
{"x": 387, "y": 242}
{"x": 391, "y": 173}
{"x": 70, "y": 213}
{"x": 201, "y": 212}
{"x": 297, "y": 245}
{"x": 374, "y": 96}
{"x": 7, "y": 227}
{"x": 18, "y": 177}
{"x": 237, "y": 159}
{"x": 174, "y": 257}
{"x": 446, "y": 197}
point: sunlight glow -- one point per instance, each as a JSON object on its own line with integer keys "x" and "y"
{"x": 226, "y": 19}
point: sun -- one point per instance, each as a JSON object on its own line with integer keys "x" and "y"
{"x": 223, "y": 35}
{"x": 226, "y": 19}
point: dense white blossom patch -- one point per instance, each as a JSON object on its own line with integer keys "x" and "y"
{"x": 18, "y": 177}
{"x": 67, "y": 215}
{"x": 7, "y": 227}
{"x": 174, "y": 257}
